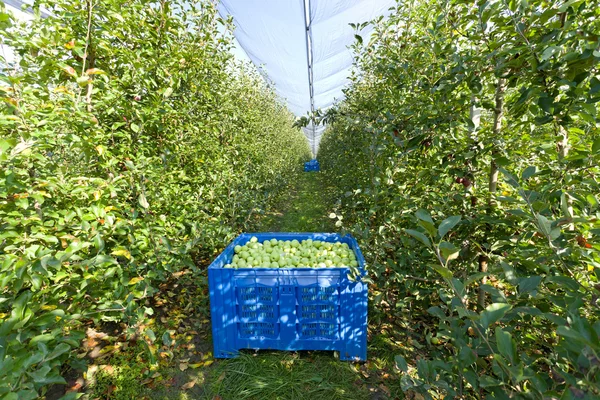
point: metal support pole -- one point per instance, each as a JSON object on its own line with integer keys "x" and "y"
{"x": 309, "y": 62}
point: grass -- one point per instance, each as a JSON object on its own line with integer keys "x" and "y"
{"x": 305, "y": 210}
{"x": 290, "y": 376}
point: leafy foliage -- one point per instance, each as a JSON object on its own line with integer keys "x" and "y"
{"x": 472, "y": 135}
{"x": 132, "y": 146}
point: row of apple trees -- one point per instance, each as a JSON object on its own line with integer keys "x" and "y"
{"x": 466, "y": 158}
{"x": 132, "y": 146}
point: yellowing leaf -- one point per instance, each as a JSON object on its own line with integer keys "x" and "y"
{"x": 135, "y": 280}
{"x": 62, "y": 89}
{"x": 122, "y": 252}
{"x": 70, "y": 70}
{"x": 95, "y": 71}
{"x": 100, "y": 150}
{"x": 142, "y": 201}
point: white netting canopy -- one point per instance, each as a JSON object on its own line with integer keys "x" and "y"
{"x": 303, "y": 46}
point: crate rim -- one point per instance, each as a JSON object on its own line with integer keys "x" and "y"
{"x": 300, "y": 235}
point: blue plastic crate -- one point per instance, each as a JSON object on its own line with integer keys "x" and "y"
{"x": 312, "y": 165}
{"x": 288, "y": 308}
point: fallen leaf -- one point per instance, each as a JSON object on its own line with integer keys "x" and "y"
{"x": 183, "y": 366}
{"x": 93, "y": 334}
{"x": 189, "y": 385}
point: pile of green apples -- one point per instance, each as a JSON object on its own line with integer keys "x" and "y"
{"x": 292, "y": 254}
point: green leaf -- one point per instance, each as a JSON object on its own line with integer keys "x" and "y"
{"x": 46, "y": 337}
{"x": 401, "y": 363}
{"x": 424, "y": 215}
{"x": 436, "y": 312}
{"x": 151, "y": 335}
{"x": 564, "y": 282}
{"x": 544, "y": 225}
{"x": 448, "y": 251}
{"x": 549, "y": 52}
{"x": 447, "y": 225}
{"x": 58, "y": 350}
{"x": 443, "y": 271}
{"x": 429, "y": 227}
{"x": 83, "y": 81}
{"x": 506, "y": 345}
{"x": 134, "y": 127}
{"x": 40, "y": 375}
{"x": 528, "y": 172}
{"x": 545, "y": 104}
{"x": 359, "y": 38}
{"x": 493, "y": 313}
{"x": 527, "y": 285}
{"x": 71, "y": 396}
{"x": 419, "y": 236}
{"x": 467, "y": 356}
{"x": 596, "y": 146}
{"x": 166, "y": 338}
{"x": 570, "y": 333}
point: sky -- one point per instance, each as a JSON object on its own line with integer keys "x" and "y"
{"x": 274, "y": 35}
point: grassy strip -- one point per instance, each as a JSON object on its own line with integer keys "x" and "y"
{"x": 305, "y": 210}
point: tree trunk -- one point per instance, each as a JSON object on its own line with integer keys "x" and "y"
{"x": 493, "y": 179}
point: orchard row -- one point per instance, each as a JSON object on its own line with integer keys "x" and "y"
{"x": 132, "y": 147}
{"x": 472, "y": 132}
